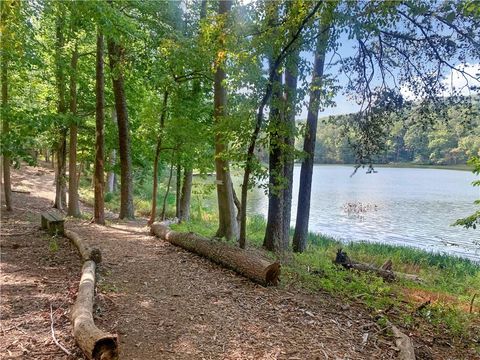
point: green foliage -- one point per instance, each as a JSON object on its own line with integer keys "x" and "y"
{"x": 451, "y": 139}
{"x": 474, "y": 219}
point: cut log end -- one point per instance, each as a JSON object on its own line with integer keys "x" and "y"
{"x": 273, "y": 273}
{"x": 106, "y": 349}
{"x": 96, "y": 255}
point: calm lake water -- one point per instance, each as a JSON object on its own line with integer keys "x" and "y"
{"x": 405, "y": 206}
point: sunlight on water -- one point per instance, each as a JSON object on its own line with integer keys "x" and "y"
{"x": 404, "y": 206}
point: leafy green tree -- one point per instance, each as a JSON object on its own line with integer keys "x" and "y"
{"x": 473, "y": 220}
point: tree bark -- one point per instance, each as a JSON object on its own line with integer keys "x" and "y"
{"x": 163, "y": 115}
{"x": 111, "y": 176}
{"x": 304, "y": 194}
{"x": 291, "y": 76}
{"x": 61, "y": 148}
{"x": 73, "y": 199}
{"x": 274, "y": 239}
{"x": 178, "y": 190}
{"x": 126, "y": 186}
{"x": 5, "y": 129}
{"x": 186, "y": 195}
{"x": 99, "y": 180}
{"x": 164, "y": 206}
{"x": 242, "y": 261}
{"x": 95, "y": 343}
{"x": 227, "y": 226}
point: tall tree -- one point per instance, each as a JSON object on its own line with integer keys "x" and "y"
{"x": 61, "y": 148}
{"x": 274, "y": 239}
{"x": 228, "y": 226}
{"x": 291, "y": 79}
{"x": 99, "y": 182}
{"x": 250, "y": 156}
{"x": 5, "y": 9}
{"x": 281, "y": 132}
{"x": 306, "y": 172}
{"x": 156, "y": 160}
{"x": 115, "y": 52}
{"x": 73, "y": 199}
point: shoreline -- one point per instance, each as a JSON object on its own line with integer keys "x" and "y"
{"x": 458, "y": 167}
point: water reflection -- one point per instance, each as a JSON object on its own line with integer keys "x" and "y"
{"x": 413, "y": 207}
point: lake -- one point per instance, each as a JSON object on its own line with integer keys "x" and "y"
{"x": 404, "y": 206}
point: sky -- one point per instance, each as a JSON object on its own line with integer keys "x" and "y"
{"x": 344, "y": 105}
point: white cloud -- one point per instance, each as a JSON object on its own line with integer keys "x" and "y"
{"x": 458, "y": 82}
{"x": 461, "y": 81}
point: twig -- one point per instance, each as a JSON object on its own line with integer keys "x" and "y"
{"x": 53, "y": 334}
{"x": 21, "y": 191}
{"x": 471, "y": 302}
{"x": 422, "y": 306}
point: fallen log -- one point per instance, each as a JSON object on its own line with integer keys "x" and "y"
{"x": 86, "y": 252}
{"x": 242, "y": 261}
{"x": 95, "y": 343}
{"x": 385, "y": 271}
{"x": 343, "y": 260}
{"x": 21, "y": 191}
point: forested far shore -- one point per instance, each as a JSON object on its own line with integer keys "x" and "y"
{"x": 451, "y": 138}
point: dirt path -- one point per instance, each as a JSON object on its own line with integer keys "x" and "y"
{"x": 164, "y": 302}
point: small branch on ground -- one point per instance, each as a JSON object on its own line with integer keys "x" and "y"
{"x": 422, "y": 306}
{"x": 471, "y": 302}
{"x": 53, "y": 334}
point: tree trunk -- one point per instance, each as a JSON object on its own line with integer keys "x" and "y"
{"x": 178, "y": 191}
{"x": 95, "y": 343}
{"x": 291, "y": 76}
{"x": 111, "y": 173}
{"x": 73, "y": 200}
{"x": 99, "y": 180}
{"x": 126, "y": 186}
{"x": 186, "y": 195}
{"x": 61, "y": 148}
{"x": 274, "y": 240}
{"x": 303, "y": 208}
{"x": 5, "y": 129}
{"x": 226, "y": 208}
{"x": 153, "y": 211}
{"x": 164, "y": 206}
{"x": 243, "y": 262}
{"x": 112, "y": 177}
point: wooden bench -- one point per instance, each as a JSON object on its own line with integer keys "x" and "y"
{"x": 53, "y": 223}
